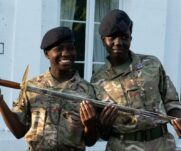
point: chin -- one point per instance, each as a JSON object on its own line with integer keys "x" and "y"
{"x": 65, "y": 68}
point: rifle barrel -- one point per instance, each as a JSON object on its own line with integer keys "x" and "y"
{"x": 78, "y": 97}
{"x": 98, "y": 103}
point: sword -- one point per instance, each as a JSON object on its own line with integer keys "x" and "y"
{"x": 25, "y": 86}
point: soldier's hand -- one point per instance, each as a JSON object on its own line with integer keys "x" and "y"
{"x": 108, "y": 115}
{"x": 87, "y": 114}
{"x": 176, "y": 123}
{"x": 107, "y": 118}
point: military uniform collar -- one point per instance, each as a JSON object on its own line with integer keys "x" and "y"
{"x": 62, "y": 85}
{"x": 134, "y": 65}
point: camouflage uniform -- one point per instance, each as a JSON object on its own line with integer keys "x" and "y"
{"x": 48, "y": 119}
{"x": 141, "y": 84}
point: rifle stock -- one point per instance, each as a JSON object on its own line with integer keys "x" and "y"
{"x": 9, "y": 84}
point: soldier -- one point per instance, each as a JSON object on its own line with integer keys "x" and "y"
{"x": 136, "y": 81}
{"x": 50, "y": 123}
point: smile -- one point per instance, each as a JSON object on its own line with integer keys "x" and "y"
{"x": 118, "y": 51}
{"x": 65, "y": 61}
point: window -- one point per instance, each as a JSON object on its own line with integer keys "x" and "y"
{"x": 83, "y": 17}
{"x": 99, "y": 53}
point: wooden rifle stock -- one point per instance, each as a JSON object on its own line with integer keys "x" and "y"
{"x": 10, "y": 84}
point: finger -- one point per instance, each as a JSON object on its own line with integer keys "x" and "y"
{"x": 112, "y": 115}
{"x": 86, "y": 118}
{"x": 176, "y": 127}
{"x": 90, "y": 110}
{"x": 84, "y": 109}
{"x": 82, "y": 117}
{"x": 105, "y": 118}
{"x": 107, "y": 107}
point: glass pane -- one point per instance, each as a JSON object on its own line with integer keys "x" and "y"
{"x": 103, "y": 6}
{"x": 73, "y": 10}
{"x": 99, "y": 52}
{"x": 79, "y": 31}
{"x": 80, "y": 68}
{"x": 96, "y": 67}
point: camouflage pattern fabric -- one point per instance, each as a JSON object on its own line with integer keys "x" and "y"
{"x": 53, "y": 123}
{"x": 140, "y": 84}
{"x": 165, "y": 143}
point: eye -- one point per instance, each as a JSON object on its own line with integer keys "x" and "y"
{"x": 125, "y": 37}
{"x": 70, "y": 47}
{"x": 110, "y": 38}
{"x": 55, "y": 49}
{"x": 65, "y": 47}
{"x": 59, "y": 48}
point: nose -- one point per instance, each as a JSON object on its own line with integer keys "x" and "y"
{"x": 118, "y": 41}
{"x": 65, "y": 52}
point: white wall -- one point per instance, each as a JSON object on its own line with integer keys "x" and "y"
{"x": 26, "y": 42}
{"x": 149, "y": 25}
{"x": 6, "y": 37}
{"x": 50, "y": 19}
{"x": 20, "y": 30}
{"x": 172, "y": 56}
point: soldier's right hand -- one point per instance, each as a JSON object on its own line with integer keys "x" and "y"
{"x": 108, "y": 115}
{"x": 106, "y": 119}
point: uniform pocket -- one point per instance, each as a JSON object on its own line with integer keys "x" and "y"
{"x": 37, "y": 126}
{"x": 53, "y": 114}
{"x": 71, "y": 128}
{"x": 135, "y": 96}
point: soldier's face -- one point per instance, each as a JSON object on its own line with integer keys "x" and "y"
{"x": 117, "y": 46}
{"x": 62, "y": 57}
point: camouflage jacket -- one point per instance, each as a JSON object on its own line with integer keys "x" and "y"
{"x": 140, "y": 84}
{"x": 47, "y": 117}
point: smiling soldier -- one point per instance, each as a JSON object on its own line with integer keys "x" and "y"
{"x": 50, "y": 123}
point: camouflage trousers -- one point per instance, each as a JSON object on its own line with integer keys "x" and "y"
{"x": 165, "y": 143}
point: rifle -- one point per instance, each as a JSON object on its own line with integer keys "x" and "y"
{"x": 97, "y": 103}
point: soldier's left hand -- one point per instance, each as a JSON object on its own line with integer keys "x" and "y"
{"x": 176, "y": 123}
{"x": 87, "y": 114}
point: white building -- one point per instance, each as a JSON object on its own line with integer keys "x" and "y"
{"x": 156, "y": 30}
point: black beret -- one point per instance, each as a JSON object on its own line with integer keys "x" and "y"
{"x": 114, "y": 21}
{"x": 55, "y": 36}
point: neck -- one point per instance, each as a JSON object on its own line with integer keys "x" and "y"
{"x": 117, "y": 61}
{"x": 62, "y": 75}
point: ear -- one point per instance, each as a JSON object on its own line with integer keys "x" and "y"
{"x": 46, "y": 54}
{"x": 103, "y": 40}
{"x": 131, "y": 38}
